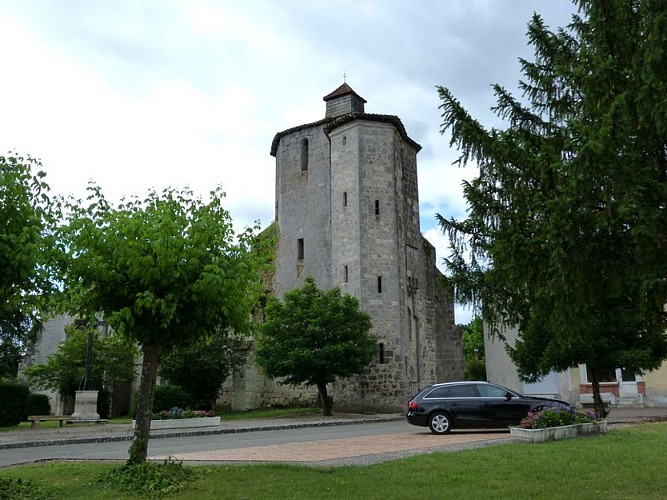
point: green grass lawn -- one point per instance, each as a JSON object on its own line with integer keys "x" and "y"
{"x": 626, "y": 463}
{"x": 25, "y": 426}
{"x": 222, "y": 413}
{"x": 268, "y": 413}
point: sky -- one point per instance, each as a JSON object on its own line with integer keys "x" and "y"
{"x": 140, "y": 94}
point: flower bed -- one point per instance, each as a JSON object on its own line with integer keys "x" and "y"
{"x": 555, "y": 422}
{"x": 179, "y": 413}
{"x": 558, "y": 433}
{"x": 177, "y": 418}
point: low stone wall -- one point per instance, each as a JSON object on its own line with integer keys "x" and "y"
{"x": 182, "y": 423}
{"x": 558, "y": 433}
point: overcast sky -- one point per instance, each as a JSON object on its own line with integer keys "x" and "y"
{"x": 136, "y": 94}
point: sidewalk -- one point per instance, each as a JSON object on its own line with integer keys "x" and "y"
{"x": 93, "y": 433}
{"x": 636, "y": 414}
{"x": 101, "y": 433}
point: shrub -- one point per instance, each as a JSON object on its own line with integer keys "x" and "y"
{"x": 103, "y": 403}
{"x": 202, "y": 367}
{"x": 19, "y": 489}
{"x": 14, "y": 399}
{"x": 166, "y": 396}
{"x": 475, "y": 369}
{"x": 176, "y": 412}
{"x": 555, "y": 415}
{"x": 151, "y": 479}
{"x": 38, "y": 404}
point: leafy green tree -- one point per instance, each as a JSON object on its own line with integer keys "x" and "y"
{"x": 566, "y": 237}
{"x": 472, "y": 336}
{"x": 201, "y": 368}
{"x": 164, "y": 270}
{"x": 314, "y": 337}
{"x": 65, "y": 370}
{"x": 15, "y": 330}
{"x": 26, "y": 214}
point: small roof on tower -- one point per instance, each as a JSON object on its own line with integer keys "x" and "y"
{"x": 344, "y": 105}
{"x": 341, "y": 91}
{"x": 342, "y": 101}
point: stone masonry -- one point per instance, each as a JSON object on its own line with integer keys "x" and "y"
{"x": 347, "y": 209}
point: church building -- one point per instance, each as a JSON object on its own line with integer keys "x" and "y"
{"x": 347, "y": 212}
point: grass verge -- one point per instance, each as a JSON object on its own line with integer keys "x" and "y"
{"x": 222, "y": 413}
{"x": 267, "y": 413}
{"x": 625, "y": 463}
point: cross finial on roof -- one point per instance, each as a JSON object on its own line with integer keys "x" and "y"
{"x": 344, "y": 77}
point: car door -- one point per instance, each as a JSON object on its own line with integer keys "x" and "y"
{"x": 500, "y": 407}
{"x": 464, "y": 404}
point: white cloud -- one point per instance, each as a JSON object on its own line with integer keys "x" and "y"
{"x": 139, "y": 94}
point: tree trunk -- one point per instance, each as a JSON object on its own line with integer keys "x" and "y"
{"x": 324, "y": 399}
{"x": 139, "y": 449}
{"x": 598, "y": 405}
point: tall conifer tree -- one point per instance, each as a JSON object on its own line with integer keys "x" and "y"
{"x": 566, "y": 237}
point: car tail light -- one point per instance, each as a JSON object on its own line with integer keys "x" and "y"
{"x": 412, "y": 405}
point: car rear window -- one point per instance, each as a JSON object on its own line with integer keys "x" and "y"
{"x": 491, "y": 391}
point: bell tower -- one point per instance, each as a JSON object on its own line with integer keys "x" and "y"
{"x": 347, "y": 208}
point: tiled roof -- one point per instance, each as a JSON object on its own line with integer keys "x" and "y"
{"x": 332, "y": 123}
{"x": 276, "y": 138}
{"x": 341, "y": 91}
{"x": 392, "y": 119}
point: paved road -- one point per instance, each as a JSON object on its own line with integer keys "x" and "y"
{"x": 363, "y": 443}
{"x": 356, "y": 439}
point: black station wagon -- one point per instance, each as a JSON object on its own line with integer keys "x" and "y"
{"x": 472, "y": 405}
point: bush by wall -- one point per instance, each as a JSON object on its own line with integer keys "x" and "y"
{"x": 166, "y": 397}
{"x": 104, "y": 403}
{"x": 14, "y": 399}
{"x": 38, "y": 404}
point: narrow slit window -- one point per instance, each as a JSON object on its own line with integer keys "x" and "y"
{"x": 345, "y": 199}
{"x": 377, "y": 207}
{"x": 304, "y": 155}
{"x": 299, "y": 248}
{"x": 346, "y": 274}
{"x": 344, "y": 140}
{"x": 381, "y": 346}
{"x": 379, "y": 284}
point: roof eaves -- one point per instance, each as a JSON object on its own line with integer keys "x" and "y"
{"x": 277, "y": 137}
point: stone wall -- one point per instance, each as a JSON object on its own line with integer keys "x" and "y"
{"x": 303, "y": 211}
{"x": 46, "y": 343}
{"x": 248, "y": 389}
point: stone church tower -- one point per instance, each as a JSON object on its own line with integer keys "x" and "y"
{"x": 347, "y": 209}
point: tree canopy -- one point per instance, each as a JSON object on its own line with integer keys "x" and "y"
{"x": 15, "y": 330}
{"x": 164, "y": 270}
{"x": 472, "y": 337}
{"x": 314, "y": 337}
{"x": 566, "y": 236}
{"x": 25, "y": 255}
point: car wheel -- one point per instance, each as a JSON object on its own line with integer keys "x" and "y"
{"x": 440, "y": 423}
